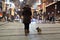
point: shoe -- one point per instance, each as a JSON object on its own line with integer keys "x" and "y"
{"x": 26, "y": 32}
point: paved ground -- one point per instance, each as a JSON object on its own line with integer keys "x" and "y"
{"x": 15, "y": 31}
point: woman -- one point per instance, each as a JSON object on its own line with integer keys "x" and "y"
{"x": 26, "y": 17}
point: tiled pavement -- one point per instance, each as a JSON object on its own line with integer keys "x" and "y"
{"x": 15, "y": 31}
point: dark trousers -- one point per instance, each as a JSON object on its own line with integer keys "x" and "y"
{"x": 26, "y": 26}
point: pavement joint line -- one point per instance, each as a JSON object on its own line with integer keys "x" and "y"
{"x": 28, "y": 34}
{"x": 13, "y": 29}
{"x": 4, "y": 23}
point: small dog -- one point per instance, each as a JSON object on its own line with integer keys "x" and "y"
{"x": 38, "y": 30}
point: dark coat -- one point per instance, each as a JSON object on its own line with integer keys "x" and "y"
{"x": 26, "y": 15}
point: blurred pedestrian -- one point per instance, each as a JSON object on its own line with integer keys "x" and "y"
{"x": 17, "y": 18}
{"x": 52, "y": 17}
{"x": 12, "y": 18}
{"x": 26, "y": 17}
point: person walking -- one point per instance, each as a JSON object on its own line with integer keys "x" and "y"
{"x": 26, "y": 13}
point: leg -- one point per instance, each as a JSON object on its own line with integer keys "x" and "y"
{"x": 26, "y": 28}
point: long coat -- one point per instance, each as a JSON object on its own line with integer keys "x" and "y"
{"x": 26, "y": 15}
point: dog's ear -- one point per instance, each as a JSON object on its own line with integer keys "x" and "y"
{"x": 37, "y": 28}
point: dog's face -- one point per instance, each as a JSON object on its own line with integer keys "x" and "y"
{"x": 37, "y": 28}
